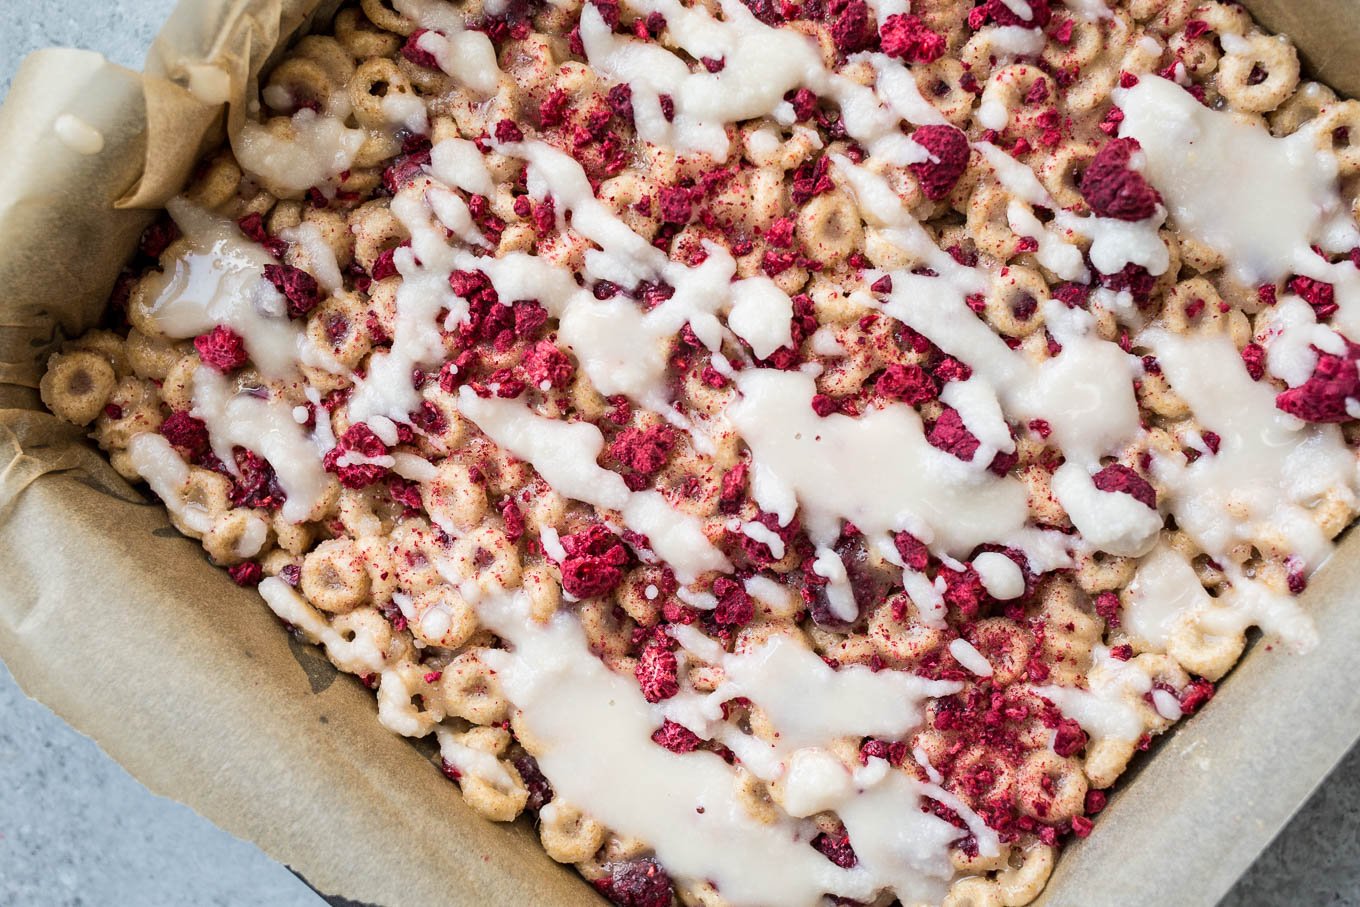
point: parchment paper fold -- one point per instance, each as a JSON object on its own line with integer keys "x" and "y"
{"x": 121, "y": 626}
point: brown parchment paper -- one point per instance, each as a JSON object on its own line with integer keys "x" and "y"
{"x": 121, "y": 626}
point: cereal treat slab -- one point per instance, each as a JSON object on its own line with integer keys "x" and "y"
{"x": 799, "y": 453}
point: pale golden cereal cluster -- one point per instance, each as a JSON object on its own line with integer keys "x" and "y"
{"x": 397, "y": 513}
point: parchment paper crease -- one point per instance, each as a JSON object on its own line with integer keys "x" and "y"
{"x": 120, "y": 625}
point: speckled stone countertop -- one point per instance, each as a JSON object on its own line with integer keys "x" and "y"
{"x": 75, "y": 829}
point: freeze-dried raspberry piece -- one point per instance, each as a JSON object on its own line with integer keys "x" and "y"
{"x": 255, "y": 484}
{"x": 1318, "y": 294}
{"x": 851, "y": 24}
{"x": 553, "y": 111}
{"x": 1108, "y": 608}
{"x": 405, "y": 493}
{"x": 594, "y": 562}
{"x": 950, "y": 435}
{"x": 948, "y": 145}
{"x": 508, "y": 131}
{"x": 545, "y": 363}
{"x": 1000, "y": 13}
{"x": 412, "y": 51}
{"x": 403, "y": 169}
{"x": 639, "y": 883}
{"x": 733, "y": 487}
{"x": 1114, "y": 189}
{"x": 1322, "y": 398}
{"x": 837, "y": 849}
{"x": 908, "y": 383}
{"x": 908, "y": 38}
{"x": 185, "y": 432}
{"x": 676, "y": 737}
{"x": 644, "y": 451}
{"x": 540, "y": 790}
{"x": 221, "y": 348}
{"x": 1118, "y": 477}
{"x": 1070, "y": 738}
{"x": 361, "y": 440}
{"x": 246, "y": 573}
{"x": 677, "y": 205}
{"x": 914, "y": 552}
{"x": 657, "y": 672}
{"x": 297, "y": 286}
{"x": 963, "y": 590}
{"x": 767, "y": 11}
{"x": 157, "y": 237}
{"x": 804, "y": 102}
{"x": 385, "y": 265}
{"x": 1196, "y": 695}
{"x": 735, "y": 607}
{"x": 951, "y": 369}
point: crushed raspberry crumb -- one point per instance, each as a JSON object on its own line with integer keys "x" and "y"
{"x": 644, "y": 451}
{"x": 297, "y": 286}
{"x": 804, "y": 102}
{"x": 1118, "y": 477}
{"x": 676, "y": 737}
{"x": 544, "y": 362}
{"x": 221, "y": 348}
{"x": 908, "y": 38}
{"x": 508, "y": 131}
{"x": 594, "y": 562}
{"x": 1070, "y": 738}
{"x": 1323, "y": 397}
{"x": 735, "y": 607}
{"x": 187, "y": 433}
{"x": 914, "y": 552}
{"x": 657, "y": 672}
{"x": 677, "y": 205}
{"x": 1321, "y": 296}
{"x": 1254, "y": 357}
{"x": 1113, "y": 189}
{"x": 837, "y": 849}
{"x": 246, "y": 573}
{"x": 1195, "y": 696}
{"x": 358, "y": 439}
{"x": 1000, "y": 13}
{"x": 948, "y": 146}
{"x": 412, "y": 51}
{"x": 640, "y": 883}
{"x": 950, "y": 435}
{"x": 909, "y": 383}
{"x": 1108, "y": 608}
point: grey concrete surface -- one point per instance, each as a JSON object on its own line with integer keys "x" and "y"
{"x": 75, "y": 829}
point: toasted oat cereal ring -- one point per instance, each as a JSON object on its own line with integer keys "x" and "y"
{"x": 471, "y": 690}
{"x": 360, "y": 38}
{"x": 77, "y": 385}
{"x": 1258, "y": 73}
{"x": 567, "y": 833}
{"x": 1338, "y": 130}
{"x": 334, "y": 576}
{"x": 381, "y": 14}
{"x": 1050, "y": 787}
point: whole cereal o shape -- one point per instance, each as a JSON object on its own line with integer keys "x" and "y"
{"x": 334, "y": 576}
{"x": 77, "y": 385}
